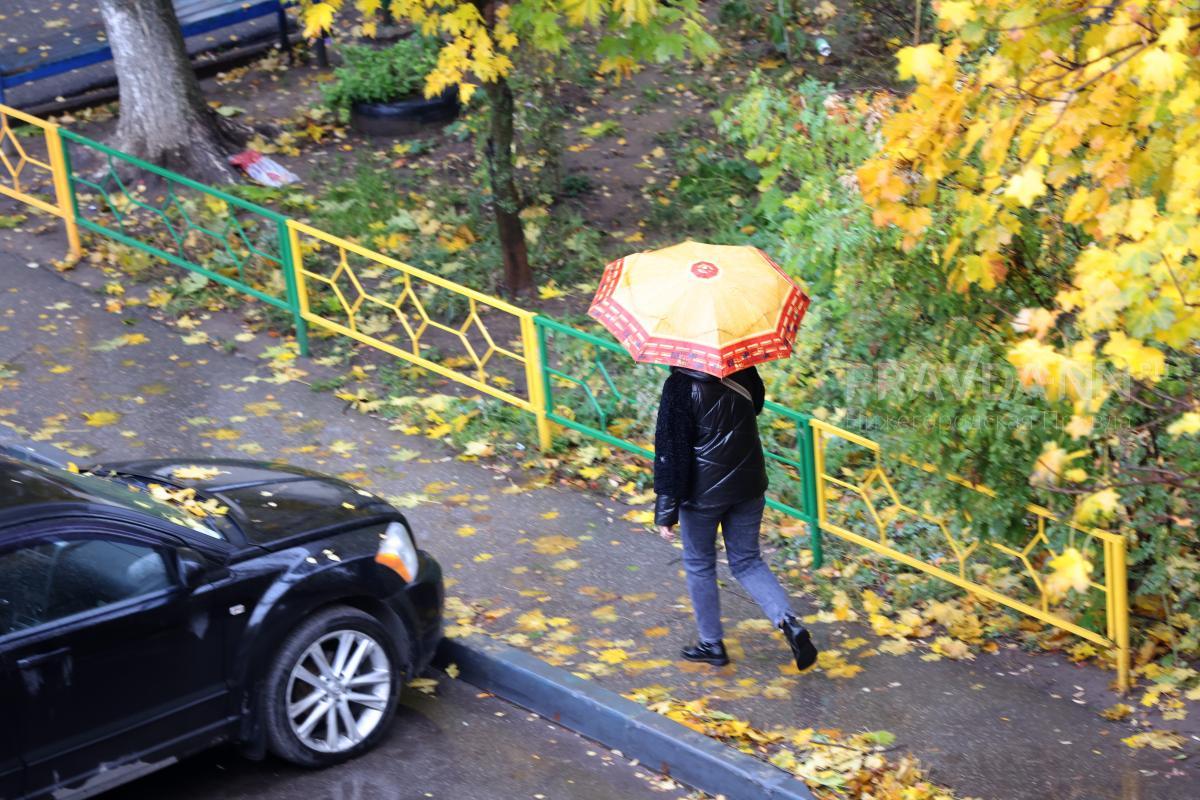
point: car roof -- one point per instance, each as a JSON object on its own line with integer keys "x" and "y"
{"x": 24, "y": 485}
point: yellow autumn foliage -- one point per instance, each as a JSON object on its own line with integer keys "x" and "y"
{"x": 479, "y": 38}
{"x": 1070, "y": 569}
{"x": 1073, "y": 123}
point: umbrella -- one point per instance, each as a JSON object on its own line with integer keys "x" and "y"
{"x": 710, "y": 307}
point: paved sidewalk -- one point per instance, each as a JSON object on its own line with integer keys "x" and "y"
{"x": 557, "y": 569}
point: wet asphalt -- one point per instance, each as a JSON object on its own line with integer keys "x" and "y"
{"x": 458, "y": 745}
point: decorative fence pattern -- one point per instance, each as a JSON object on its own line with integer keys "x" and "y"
{"x": 204, "y": 230}
{"x": 35, "y": 178}
{"x": 359, "y": 293}
{"x": 586, "y": 385}
{"x": 558, "y": 373}
{"x": 860, "y": 503}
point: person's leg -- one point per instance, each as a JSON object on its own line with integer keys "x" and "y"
{"x": 698, "y": 531}
{"x": 740, "y": 526}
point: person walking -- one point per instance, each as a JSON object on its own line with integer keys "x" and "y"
{"x": 709, "y": 471}
{"x": 710, "y": 312}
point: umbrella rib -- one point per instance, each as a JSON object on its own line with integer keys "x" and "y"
{"x": 762, "y": 317}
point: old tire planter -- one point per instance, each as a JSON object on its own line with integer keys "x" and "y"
{"x": 403, "y": 117}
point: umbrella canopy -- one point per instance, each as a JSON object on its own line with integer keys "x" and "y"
{"x": 710, "y": 307}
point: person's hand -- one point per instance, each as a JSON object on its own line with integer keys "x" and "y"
{"x": 667, "y": 532}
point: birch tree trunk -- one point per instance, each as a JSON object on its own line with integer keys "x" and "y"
{"x": 164, "y": 118}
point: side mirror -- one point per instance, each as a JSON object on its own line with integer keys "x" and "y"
{"x": 192, "y": 566}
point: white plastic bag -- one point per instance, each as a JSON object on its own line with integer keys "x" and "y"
{"x": 262, "y": 169}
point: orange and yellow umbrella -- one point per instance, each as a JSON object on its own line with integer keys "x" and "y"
{"x": 710, "y": 307}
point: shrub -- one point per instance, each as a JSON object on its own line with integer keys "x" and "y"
{"x": 379, "y": 75}
{"x": 886, "y": 350}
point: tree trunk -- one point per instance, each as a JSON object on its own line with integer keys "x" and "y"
{"x": 164, "y": 118}
{"x": 518, "y": 278}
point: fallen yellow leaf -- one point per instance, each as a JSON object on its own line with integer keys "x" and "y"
{"x": 605, "y": 614}
{"x": 98, "y": 419}
{"x": 613, "y": 655}
{"x": 195, "y": 473}
{"x": 952, "y": 648}
{"x": 1158, "y": 740}
{"x": 424, "y": 685}
{"x": 1117, "y": 712}
{"x": 554, "y": 545}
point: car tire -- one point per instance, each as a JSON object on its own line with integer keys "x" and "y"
{"x": 300, "y": 691}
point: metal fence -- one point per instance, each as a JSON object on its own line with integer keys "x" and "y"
{"x": 226, "y": 239}
{"x": 860, "y": 502}
{"x": 402, "y": 310}
{"x": 836, "y": 481}
{"x": 590, "y": 386}
{"x": 31, "y": 168}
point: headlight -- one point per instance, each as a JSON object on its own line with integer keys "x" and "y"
{"x": 397, "y": 551}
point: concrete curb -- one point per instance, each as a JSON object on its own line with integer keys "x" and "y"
{"x": 618, "y": 723}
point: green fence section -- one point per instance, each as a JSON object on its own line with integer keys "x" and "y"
{"x": 590, "y": 387}
{"x": 790, "y": 451}
{"x": 226, "y": 239}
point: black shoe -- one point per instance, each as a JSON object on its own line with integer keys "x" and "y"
{"x": 707, "y": 653}
{"x": 801, "y": 643}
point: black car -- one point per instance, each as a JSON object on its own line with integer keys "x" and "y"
{"x": 151, "y": 609}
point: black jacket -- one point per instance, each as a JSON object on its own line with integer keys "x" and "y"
{"x": 706, "y": 448}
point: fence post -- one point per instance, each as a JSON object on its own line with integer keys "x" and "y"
{"x": 1120, "y": 598}
{"x": 533, "y": 342}
{"x": 805, "y": 443}
{"x": 64, "y": 190}
{"x": 290, "y": 261}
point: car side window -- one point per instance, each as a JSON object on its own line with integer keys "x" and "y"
{"x": 54, "y": 578}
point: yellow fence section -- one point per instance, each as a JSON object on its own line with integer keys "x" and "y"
{"x": 385, "y": 303}
{"x": 868, "y": 489}
{"x": 39, "y": 181}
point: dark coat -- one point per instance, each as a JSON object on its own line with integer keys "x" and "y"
{"x": 706, "y": 448}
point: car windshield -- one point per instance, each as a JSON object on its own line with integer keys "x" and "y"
{"x": 131, "y": 493}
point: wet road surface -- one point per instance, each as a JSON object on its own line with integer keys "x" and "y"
{"x": 458, "y": 746}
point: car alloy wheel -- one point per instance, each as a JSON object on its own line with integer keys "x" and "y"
{"x": 338, "y": 691}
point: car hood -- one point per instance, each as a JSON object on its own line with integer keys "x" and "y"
{"x": 273, "y": 504}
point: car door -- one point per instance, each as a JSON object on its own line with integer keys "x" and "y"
{"x": 118, "y": 664}
{"x": 11, "y": 770}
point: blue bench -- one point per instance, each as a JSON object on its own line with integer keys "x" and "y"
{"x": 195, "y": 17}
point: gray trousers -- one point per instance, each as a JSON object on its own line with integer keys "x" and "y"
{"x": 740, "y": 524}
